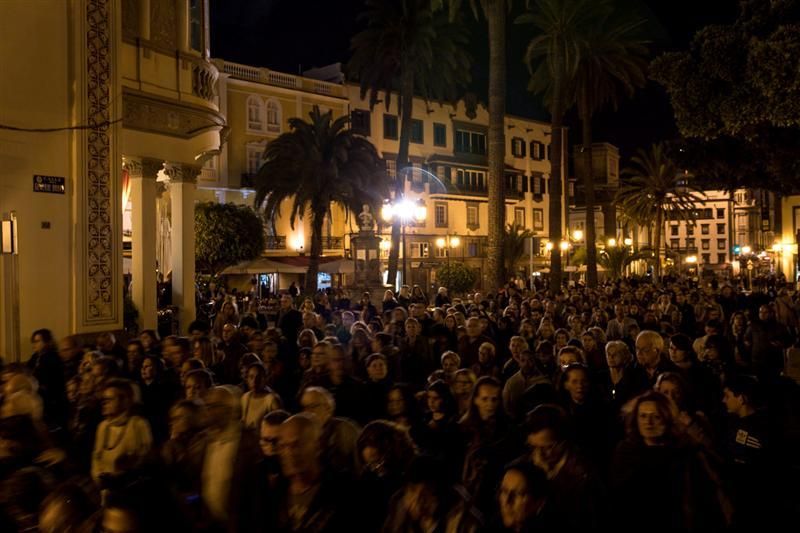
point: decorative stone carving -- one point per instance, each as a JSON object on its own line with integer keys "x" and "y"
{"x": 182, "y": 173}
{"x": 204, "y": 80}
{"x": 100, "y": 261}
{"x": 150, "y": 114}
{"x": 163, "y": 23}
{"x": 130, "y": 19}
{"x": 142, "y": 167}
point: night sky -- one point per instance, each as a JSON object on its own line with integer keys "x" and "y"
{"x": 295, "y": 35}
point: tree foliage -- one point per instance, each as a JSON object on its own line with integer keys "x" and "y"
{"x": 457, "y": 277}
{"x": 314, "y": 165}
{"x": 408, "y": 48}
{"x": 225, "y": 234}
{"x": 653, "y": 190}
{"x": 514, "y": 240}
{"x": 735, "y": 94}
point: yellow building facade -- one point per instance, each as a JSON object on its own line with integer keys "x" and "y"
{"x": 109, "y": 108}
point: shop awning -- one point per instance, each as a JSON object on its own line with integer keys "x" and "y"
{"x": 297, "y": 264}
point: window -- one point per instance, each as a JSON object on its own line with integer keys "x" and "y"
{"x": 254, "y": 152}
{"x": 273, "y": 117}
{"x": 440, "y": 211}
{"x": 472, "y": 249}
{"x": 439, "y": 134}
{"x": 706, "y": 244}
{"x": 549, "y": 153}
{"x": 519, "y": 216}
{"x": 690, "y": 229}
{"x": 538, "y": 219}
{"x": 419, "y": 249}
{"x": 704, "y": 229}
{"x": 537, "y": 150}
{"x": 442, "y": 252}
{"x": 417, "y": 131}
{"x": 255, "y": 114}
{"x": 721, "y": 258}
{"x": 470, "y": 142}
{"x": 707, "y": 259}
{"x": 538, "y": 185}
{"x": 389, "y": 127}
{"x": 674, "y": 243}
{"x": 720, "y": 212}
{"x": 517, "y": 147}
{"x": 391, "y": 168}
{"x": 673, "y": 230}
{"x": 196, "y": 25}
{"x": 360, "y": 122}
{"x": 690, "y": 242}
{"x": 720, "y": 244}
{"x": 473, "y": 220}
{"x": 720, "y": 229}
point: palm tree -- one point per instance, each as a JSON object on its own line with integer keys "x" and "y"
{"x": 655, "y": 189}
{"x": 514, "y": 239}
{"x": 495, "y": 12}
{"x": 316, "y": 164}
{"x": 613, "y": 61}
{"x": 408, "y": 48}
{"x": 553, "y": 57}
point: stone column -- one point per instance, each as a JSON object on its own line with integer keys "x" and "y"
{"x": 183, "y": 183}
{"x": 142, "y": 173}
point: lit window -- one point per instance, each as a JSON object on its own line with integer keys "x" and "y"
{"x": 255, "y": 114}
{"x": 273, "y": 117}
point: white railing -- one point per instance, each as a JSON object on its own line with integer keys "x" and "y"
{"x": 284, "y": 80}
{"x": 280, "y": 79}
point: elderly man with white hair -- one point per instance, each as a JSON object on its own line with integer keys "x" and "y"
{"x": 650, "y": 355}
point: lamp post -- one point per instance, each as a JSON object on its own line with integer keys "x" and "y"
{"x": 448, "y": 243}
{"x": 564, "y": 247}
{"x": 407, "y": 212}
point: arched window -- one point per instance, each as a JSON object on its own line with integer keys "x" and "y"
{"x": 273, "y": 116}
{"x": 255, "y": 114}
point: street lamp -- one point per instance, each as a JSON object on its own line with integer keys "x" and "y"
{"x": 406, "y": 212}
{"x": 577, "y": 235}
{"x": 448, "y": 243}
{"x": 611, "y": 242}
{"x": 628, "y": 241}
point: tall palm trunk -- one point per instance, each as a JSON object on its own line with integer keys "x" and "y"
{"x": 556, "y": 138}
{"x": 588, "y": 183}
{"x": 494, "y": 274}
{"x": 657, "y": 243}
{"x": 316, "y": 250}
{"x": 406, "y": 108}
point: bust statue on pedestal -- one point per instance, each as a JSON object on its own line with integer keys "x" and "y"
{"x": 366, "y": 222}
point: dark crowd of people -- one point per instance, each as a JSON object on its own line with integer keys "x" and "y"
{"x": 633, "y": 406}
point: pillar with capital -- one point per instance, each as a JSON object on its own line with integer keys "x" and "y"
{"x": 182, "y": 186}
{"x": 142, "y": 173}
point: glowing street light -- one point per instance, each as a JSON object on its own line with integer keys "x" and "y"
{"x": 692, "y": 259}
{"x": 449, "y": 243}
{"x": 407, "y": 212}
{"x": 577, "y": 235}
{"x": 628, "y": 241}
{"x": 746, "y": 250}
{"x": 564, "y": 245}
{"x": 611, "y": 242}
{"x": 548, "y": 246}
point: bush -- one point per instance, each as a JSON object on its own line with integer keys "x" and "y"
{"x": 457, "y": 277}
{"x": 226, "y": 234}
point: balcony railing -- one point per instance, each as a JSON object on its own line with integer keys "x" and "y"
{"x": 332, "y": 243}
{"x": 279, "y": 79}
{"x": 274, "y": 242}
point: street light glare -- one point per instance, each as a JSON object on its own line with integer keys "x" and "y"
{"x": 387, "y": 212}
{"x": 577, "y": 235}
{"x": 548, "y": 246}
{"x": 612, "y": 243}
{"x": 628, "y": 241}
{"x": 455, "y": 242}
{"x": 564, "y": 245}
{"x": 440, "y": 242}
{"x": 746, "y": 249}
{"x": 691, "y": 259}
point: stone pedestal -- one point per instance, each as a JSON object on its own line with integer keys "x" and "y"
{"x": 365, "y": 249}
